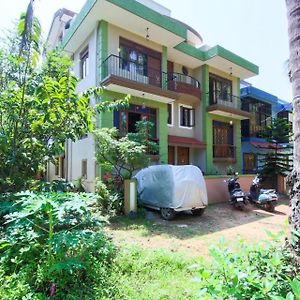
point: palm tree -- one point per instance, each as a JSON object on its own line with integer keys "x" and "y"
{"x": 293, "y": 15}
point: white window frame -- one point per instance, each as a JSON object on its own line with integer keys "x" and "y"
{"x": 84, "y": 62}
{"x": 84, "y": 161}
{"x": 179, "y": 116}
{"x": 172, "y": 115}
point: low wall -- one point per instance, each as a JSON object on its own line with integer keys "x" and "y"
{"x": 217, "y": 190}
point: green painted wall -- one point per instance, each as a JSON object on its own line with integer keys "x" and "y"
{"x": 206, "y": 130}
{"x": 239, "y": 159}
{"x": 152, "y": 16}
{"x": 208, "y": 118}
{"x": 102, "y": 49}
{"x": 107, "y": 120}
{"x": 164, "y": 65}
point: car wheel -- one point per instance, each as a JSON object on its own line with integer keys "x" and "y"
{"x": 167, "y": 213}
{"x": 198, "y": 211}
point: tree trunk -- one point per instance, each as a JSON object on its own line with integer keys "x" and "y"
{"x": 293, "y": 15}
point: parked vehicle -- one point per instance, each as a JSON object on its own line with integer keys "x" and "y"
{"x": 237, "y": 196}
{"x": 172, "y": 189}
{"x": 264, "y": 198}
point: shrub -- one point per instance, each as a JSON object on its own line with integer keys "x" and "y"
{"x": 259, "y": 271}
{"x": 53, "y": 244}
{"x": 110, "y": 201}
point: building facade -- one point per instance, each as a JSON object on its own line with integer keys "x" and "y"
{"x": 188, "y": 90}
{"x": 263, "y": 107}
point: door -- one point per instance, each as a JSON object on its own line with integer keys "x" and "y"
{"x": 154, "y": 71}
{"x": 171, "y": 155}
{"x": 183, "y": 156}
{"x": 170, "y": 75}
{"x": 249, "y": 163}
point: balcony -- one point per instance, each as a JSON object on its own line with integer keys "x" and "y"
{"x": 184, "y": 84}
{"x": 224, "y": 153}
{"x": 225, "y": 104}
{"x": 138, "y": 79}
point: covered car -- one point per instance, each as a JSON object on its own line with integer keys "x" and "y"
{"x": 172, "y": 189}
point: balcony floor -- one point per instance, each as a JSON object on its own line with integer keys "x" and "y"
{"x": 138, "y": 89}
{"x": 227, "y": 111}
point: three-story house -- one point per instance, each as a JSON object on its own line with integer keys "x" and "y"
{"x": 188, "y": 90}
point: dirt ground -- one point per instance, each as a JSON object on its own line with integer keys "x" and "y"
{"x": 193, "y": 234}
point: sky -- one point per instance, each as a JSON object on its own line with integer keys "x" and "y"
{"x": 253, "y": 29}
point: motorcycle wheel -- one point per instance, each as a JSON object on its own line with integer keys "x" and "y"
{"x": 270, "y": 206}
{"x": 167, "y": 213}
{"x": 240, "y": 206}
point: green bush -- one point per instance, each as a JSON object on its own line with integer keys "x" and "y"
{"x": 53, "y": 243}
{"x": 109, "y": 201}
{"x": 259, "y": 271}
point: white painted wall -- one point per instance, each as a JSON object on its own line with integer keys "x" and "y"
{"x": 82, "y": 149}
{"x": 114, "y": 34}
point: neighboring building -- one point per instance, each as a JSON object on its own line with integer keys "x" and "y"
{"x": 263, "y": 107}
{"x": 190, "y": 91}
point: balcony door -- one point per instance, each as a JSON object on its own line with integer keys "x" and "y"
{"x": 220, "y": 89}
{"x": 154, "y": 71}
{"x": 223, "y": 146}
{"x": 143, "y": 64}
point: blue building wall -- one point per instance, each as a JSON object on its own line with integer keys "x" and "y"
{"x": 277, "y": 104}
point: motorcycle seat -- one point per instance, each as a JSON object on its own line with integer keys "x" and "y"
{"x": 267, "y": 191}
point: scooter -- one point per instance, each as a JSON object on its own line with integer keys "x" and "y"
{"x": 237, "y": 196}
{"x": 265, "y": 199}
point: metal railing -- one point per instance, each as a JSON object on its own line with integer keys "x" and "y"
{"x": 132, "y": 70}
{"x": 142, "y": 73}
{"x": 224, "y": 98}
{"x": 224, "y": 151}
{"x": 179, "y": 78}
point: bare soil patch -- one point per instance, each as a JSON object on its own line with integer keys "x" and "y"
{"x": 193, "y": 235}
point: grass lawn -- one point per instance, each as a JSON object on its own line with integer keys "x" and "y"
{"x": 154, "y": 275}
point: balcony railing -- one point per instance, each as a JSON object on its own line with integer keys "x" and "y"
{"x": 142, "y": 73}
{"x": 225, "y": 99}
{"x": 224, "y": 151}
{"x": 257, "y": 131}
{"x": 183, "y": 84}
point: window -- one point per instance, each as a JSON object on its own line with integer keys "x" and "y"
{"x": 84, "y": 168}
{"x": 170, "y": 114}
{"x": 62, "y": 166}
{"x": 140, "y": 61}
{"x": 223, "y": 146}
{"x": 219, "y": 89}
{"x": 261, "y": 116}
{"x": 56, "y": 172}
{"x": 126, "y": 120}
{"x": 132, "y": 59}
{"x": 186, "y": 116}
{"x": 84, "y": 63}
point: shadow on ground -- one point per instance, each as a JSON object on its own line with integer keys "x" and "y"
{"x": 217, "y": 217}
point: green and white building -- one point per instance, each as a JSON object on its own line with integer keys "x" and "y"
{"x": 190, "y": 91}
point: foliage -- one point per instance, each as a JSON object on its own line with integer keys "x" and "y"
{"x": 59, "y": 185}
{"x": 259, "y": 271}
{"x": 230, "y": 170}
{"x": 40, "y": 107}
{"x": 53, "y": 243}
{"x": 278, "y": 159}
{"x": 122, "y": 156}
{"x": 109, "y": 201}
